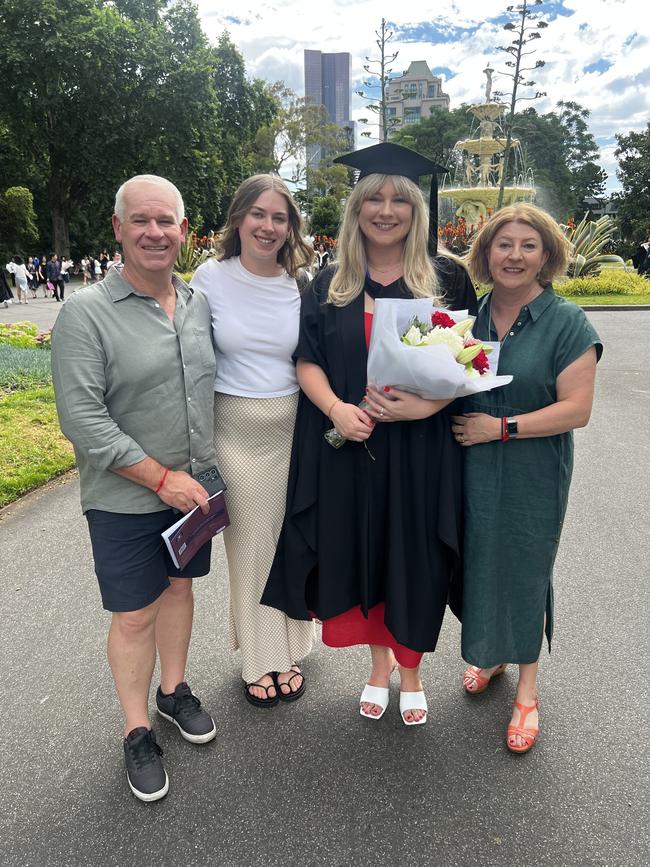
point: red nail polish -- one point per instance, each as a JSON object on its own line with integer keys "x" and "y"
{"x": 387, "y": 388}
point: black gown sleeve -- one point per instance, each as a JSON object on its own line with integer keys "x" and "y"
{"x": 459, "y": 292}
{"x": 309, "y": 339}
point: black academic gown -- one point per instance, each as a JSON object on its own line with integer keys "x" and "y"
{"x": 381, "y": 524}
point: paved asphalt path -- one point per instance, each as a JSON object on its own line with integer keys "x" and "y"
{"x": 313, "y": 783}
{"x": 41, "y": 311}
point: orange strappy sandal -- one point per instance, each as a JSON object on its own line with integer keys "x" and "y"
{"x": 473, "y": 676}
{"x": 529, "y": 736}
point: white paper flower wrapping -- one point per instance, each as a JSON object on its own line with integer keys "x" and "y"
{"x": 429, "y": 371}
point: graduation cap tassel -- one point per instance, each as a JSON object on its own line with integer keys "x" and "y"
{"x": 433, "y": 216}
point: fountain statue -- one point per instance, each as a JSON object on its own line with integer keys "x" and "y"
{"x": 475, "y": 186}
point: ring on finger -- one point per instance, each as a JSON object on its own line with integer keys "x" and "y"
{"x": 381, "y": 412}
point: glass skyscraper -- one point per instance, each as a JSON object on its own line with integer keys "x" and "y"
{"x": 327, "y": 82}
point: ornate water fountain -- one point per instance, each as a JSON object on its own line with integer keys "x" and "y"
{"x": 479, "y": 164}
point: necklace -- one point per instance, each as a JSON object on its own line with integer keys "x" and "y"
{"x": 385, "y": 270}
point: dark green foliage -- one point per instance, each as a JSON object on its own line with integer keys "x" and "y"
{"x": 325, "y": 216}
{"x": 105, "y": 90}
{"x": 435, "y": 136}
{"x": 18, "y": 230}
{"x": 633, "y": 154}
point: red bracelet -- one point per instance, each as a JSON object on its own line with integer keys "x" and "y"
{"x": 505, "y": 436}
{"x": 162, "y": 481}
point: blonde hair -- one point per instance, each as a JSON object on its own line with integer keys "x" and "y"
{"x": 295, "y": 253}
{"x": 350, "y": 275}
{"x": 553, "y": 242}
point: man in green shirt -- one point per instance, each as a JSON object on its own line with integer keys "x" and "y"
{"x": 133, "y": 368}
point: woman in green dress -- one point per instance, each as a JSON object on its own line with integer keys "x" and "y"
{"x": 519, "y": 453}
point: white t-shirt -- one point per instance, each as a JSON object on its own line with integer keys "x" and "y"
{"x": 255, "y": 322}
{"x": 21, "y": 274}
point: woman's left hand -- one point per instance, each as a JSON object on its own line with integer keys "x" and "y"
{"x": 394, "y": 405}
{"x": 475, "y": 427}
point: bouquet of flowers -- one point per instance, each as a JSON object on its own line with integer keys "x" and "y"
{"x": 429, "y": 351}
{"x": 456, "y": 336}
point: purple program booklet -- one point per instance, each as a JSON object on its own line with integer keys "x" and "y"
{"x": 186, "y": 536}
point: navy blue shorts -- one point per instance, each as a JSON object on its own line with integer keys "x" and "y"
{"x": 132, "y": 562}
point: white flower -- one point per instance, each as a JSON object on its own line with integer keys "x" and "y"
{"x": 413, "y": 336}
{"x": 444, "y": 336}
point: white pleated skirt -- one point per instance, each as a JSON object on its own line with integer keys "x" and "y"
{"x": 253, "y": 444}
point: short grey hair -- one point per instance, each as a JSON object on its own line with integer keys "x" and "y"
{"x": 155, "y": 180}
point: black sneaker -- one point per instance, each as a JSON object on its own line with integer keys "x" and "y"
{"x": 145, "y": 774}
{"x": 185, "y": 711}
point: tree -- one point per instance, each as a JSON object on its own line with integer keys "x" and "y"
{"x": 633, "y": 155}
{"x": 288, "y": 141}
{"x": 543, "y": 143}
{"x": 581, "y": 153}
{"x": 17, "y": 222}
{"x": 118, "y": 88}
{"x": 325, "y": 216}
{"x": 379, "y": 106}
{"x": 436, "y": 136}
{"x": 525, "y": 35}
{"x": 244, "y": 107}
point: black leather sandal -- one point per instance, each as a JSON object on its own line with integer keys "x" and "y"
{"x": 263, "y": 702}
{"x": 290, "y": 696}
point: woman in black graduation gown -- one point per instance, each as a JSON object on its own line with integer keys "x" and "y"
{"x": 371, "y": 539}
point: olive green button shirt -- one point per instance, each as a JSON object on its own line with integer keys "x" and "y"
{"x": 130, "y": 384}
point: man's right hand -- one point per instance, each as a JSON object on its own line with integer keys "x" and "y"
{"x": 181, "y": 491}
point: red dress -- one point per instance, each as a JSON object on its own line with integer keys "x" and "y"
{"x": 351, "y": 627}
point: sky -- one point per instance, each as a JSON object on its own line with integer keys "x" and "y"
{"x": 596, "y": 51}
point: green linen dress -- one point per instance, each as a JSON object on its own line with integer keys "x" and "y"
{"x": 516, "y": 492}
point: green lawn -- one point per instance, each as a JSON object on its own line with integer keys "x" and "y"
{"x": 33, "y": 448}
{"x": 620, "y": 300}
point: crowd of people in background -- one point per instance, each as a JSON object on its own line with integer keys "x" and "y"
{"x": 51, "y": 273}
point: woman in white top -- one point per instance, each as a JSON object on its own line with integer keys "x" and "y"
{"x": 21, "y": 275}
{"x": 255, "y": 303}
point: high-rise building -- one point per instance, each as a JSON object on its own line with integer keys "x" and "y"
{"x": 411, "y": 96}
{"x": 327, "y": 82}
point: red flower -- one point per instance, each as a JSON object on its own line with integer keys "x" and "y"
{"x": 481, "y": 362}
{"x": 442, "y": 319}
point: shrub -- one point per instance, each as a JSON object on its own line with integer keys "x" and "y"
{"x": 611, "y": 282}
{"x": 589, "y": 240}
{"x": 23, "y": 368}
{"x": 24, "y": 335}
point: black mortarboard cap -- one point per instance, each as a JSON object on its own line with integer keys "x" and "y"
{"x": 388, "y": 158}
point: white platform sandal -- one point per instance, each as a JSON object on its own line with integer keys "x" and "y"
{"x": 413, "y": 701}
{"x": 378, "y": 695}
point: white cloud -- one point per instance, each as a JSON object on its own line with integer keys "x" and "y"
{"x": 585, "y": 32}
